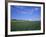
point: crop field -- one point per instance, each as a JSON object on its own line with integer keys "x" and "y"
{"x": 23, "y": 25}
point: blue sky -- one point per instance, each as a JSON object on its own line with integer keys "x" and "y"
{"x": 32, "y": 13}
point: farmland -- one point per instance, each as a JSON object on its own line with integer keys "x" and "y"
{"x": 24, "y": 25}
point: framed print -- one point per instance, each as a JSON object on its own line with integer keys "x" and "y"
{"x": 25, "y": 18}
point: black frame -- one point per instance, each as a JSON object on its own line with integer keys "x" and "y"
{"x": 6, "y": 18}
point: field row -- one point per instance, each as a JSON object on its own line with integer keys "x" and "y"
{"x": 25, "y": 25}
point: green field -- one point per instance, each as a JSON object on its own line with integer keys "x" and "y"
{"x": 23, "y": 25}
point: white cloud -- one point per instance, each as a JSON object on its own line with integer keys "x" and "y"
{"x": 23, "y": 12}
{"x": 27, "y": 12}
{"x": 36, "y": 8}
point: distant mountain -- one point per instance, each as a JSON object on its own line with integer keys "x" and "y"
{"x": 23, "y": 20}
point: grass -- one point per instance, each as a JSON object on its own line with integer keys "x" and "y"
{"x": 21, "y": 25}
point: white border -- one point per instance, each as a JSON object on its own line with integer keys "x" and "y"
{"x": 24, "y": 32}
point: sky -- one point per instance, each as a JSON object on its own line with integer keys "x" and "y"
{"x": 32, "y": 13}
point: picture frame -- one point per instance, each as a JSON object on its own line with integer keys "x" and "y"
{"x": 8, "y": 27}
